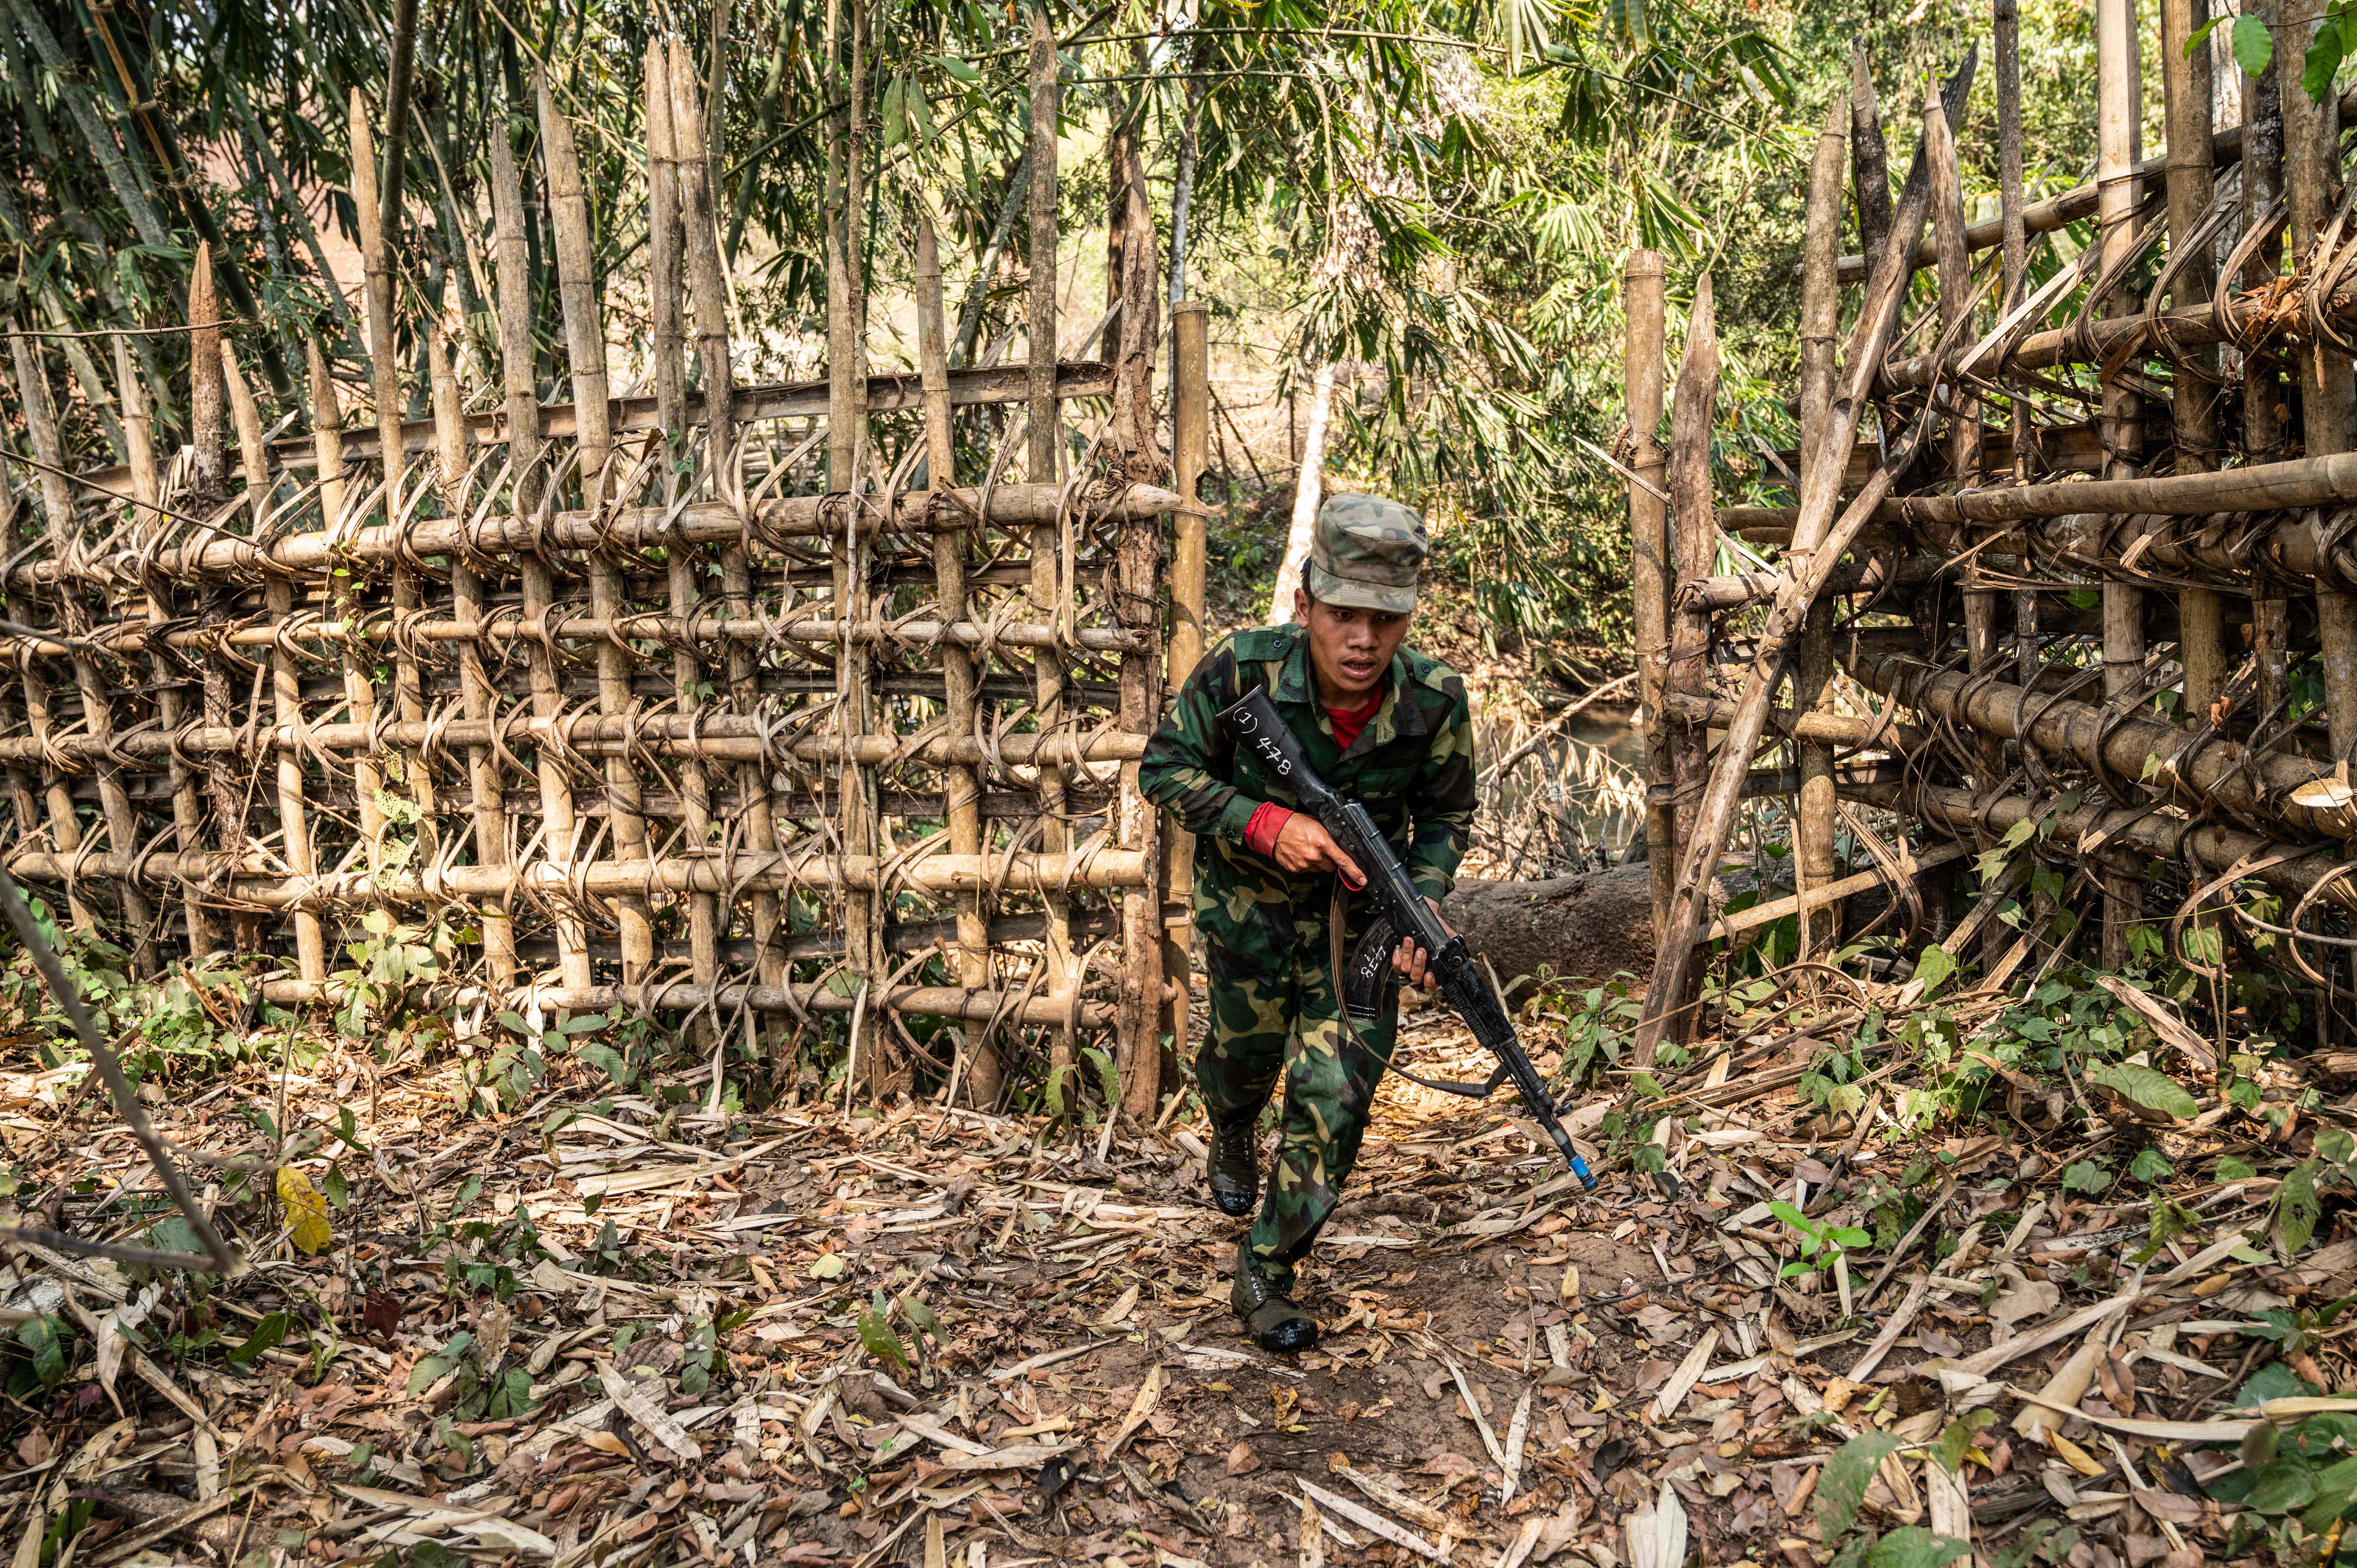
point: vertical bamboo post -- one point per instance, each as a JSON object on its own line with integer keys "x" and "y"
{"x": 57, "y": 514}
{"x": 327, "y": 443}
{"x": 846, "y": 450}
{"x": 2201, "y": 644}
{"x": 115, "y": 805}
{"x": 585, "y": 354}
{"x": 2014, "y": 256}
{"x": 663, "y": 246}
{"x": 1046, "y": 433}
{"x": 487, "y": 797}
{"x": 1692, "y": 417}
{"x": 1190, "y": 444}
{"x": 384, "y": 377}
{"x": 2263, "y": 391}
{"x": 253, "y": 454}
{"x": 147, "y": 490}
{"x": 2311, "y": 142}
{"x": 224, "y": 786}
{"x": 961, "y": 785}
{"x": 2117, "y": 118}
{"x": 1644, "y": 308}
{"x": 665, "y": 240}
{"x": 560, "y": 828}
{"x": 285, "y": 675}
{"x": 1136, "y": 608}
{"x": 24, "y": 796}
{"x": 708, "y": 279}
{"x": 1815, "y": 862}
{"x": 1956, "y": 269}
{"x": 2015, "y": 260}
{"x": 64, "y": 827}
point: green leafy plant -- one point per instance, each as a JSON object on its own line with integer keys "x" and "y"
{"x": 1821, "y": 1243}
{"x": 386, "y": 961}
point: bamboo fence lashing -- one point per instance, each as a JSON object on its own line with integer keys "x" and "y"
{"x": 2211, "y": 503}
{"x": 649, "y": 719}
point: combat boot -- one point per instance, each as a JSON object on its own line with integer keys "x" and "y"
{"x": 1235, "y": 1165}
{"x": 1270, "y": 1316}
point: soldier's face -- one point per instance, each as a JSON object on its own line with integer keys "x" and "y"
{"x": 1349, "y": 649}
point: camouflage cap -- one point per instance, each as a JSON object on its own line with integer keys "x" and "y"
{"x": 1365, "y": 554}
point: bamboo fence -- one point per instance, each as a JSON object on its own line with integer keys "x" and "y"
{"x": 752, "y": 708}
{"x": 2082, "y": 547}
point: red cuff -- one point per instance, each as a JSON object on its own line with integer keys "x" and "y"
{"x": 1260, "y": 833}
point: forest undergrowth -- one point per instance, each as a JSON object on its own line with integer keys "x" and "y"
{"x": 1880, "y": 1271}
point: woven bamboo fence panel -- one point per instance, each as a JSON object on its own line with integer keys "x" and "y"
{"x": 757, "y": 709}
{"x": 2066, "y": 590}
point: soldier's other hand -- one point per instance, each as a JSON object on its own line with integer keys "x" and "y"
{"x": 1409, "y": 961}
{"x": 1303, "y": 844}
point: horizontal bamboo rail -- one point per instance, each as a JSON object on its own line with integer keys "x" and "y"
{"x": 1005, "y": 1008}
{"x": 728, "y": 737}
{"x": 746, "y": 871}
{"x": 971, "y": 387}
{"x": 806, "y": 517}
{"x": 2214, "y": 848}
{"x": 2134, "y": 750}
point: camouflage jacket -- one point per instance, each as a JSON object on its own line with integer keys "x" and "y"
{"x": 1411, "y": 767}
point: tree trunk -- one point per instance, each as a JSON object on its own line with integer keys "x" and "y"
{"x": 1310, "y": 487}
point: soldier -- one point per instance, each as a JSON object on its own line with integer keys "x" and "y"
{"x": 1380, "y": 723}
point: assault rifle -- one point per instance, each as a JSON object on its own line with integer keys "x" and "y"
{"x": 1399, "y": 912}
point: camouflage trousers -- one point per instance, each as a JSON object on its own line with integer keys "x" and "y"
{"x": 1289, "y": 1019}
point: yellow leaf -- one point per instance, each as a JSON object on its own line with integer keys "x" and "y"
{"x": 307, "y": 1211}
{"x": 2078, "y": 1458}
